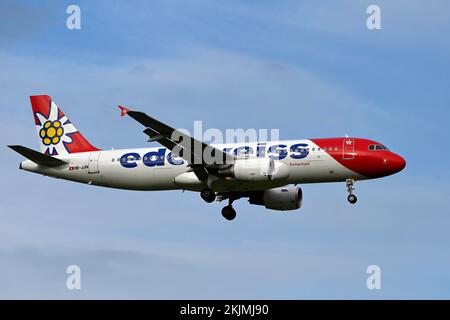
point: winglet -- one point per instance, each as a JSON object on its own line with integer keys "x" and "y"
{"x": 123, "y": 111}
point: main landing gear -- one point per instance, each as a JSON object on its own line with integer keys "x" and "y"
{"x": 228, "y": 211}
{"x": 208, "y": 195}
{"x": 350, "y": 187}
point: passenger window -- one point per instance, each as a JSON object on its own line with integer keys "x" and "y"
{"x": 378, "y": 147}
{"x": 372, "y": 147}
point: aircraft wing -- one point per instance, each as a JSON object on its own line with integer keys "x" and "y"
{"x": 181, "y": 144}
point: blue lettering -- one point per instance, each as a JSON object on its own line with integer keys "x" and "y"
{"x": 174, "y": 161}
{"x": 227, "y": 150}
{"x": 155, "y": 158}
{"x": 300, "y": 151}
{"x": 261, "y": 150}
{"x": 278, "y": 149}
{"x": 240, "y": 151}
{"x": 128, "y": 160}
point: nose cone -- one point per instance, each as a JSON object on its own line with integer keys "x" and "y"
{"x": 396, "y": 163}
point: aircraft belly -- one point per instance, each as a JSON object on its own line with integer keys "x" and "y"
{"x": 141, "y": 178}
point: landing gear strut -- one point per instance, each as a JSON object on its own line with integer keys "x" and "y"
{"x": 350, "y": 187}
{"x": 208, "y": 195}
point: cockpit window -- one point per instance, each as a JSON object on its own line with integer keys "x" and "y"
{"x": 377, "y": 147}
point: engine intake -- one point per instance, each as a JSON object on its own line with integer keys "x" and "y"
{"x": 284, "y": 198}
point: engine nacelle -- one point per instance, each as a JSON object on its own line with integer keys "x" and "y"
{"x": 251, "y": 169}
{"x": 281, "y": 171}
{"x": 284, "y": 198}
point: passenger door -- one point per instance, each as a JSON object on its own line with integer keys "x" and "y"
{"x": 93, "y": 162}
{"x": 348, "y": 148}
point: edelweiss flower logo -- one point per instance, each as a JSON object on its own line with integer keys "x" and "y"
{"x": 51, "y": 133}
{"x": 55, "y": 130}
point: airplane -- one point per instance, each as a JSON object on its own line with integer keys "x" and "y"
{"x": 266, "y": 172}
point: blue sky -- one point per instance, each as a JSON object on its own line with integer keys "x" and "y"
{"x": 312, "y": 69}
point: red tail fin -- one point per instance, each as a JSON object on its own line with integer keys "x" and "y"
{"x": 57, "y": 135}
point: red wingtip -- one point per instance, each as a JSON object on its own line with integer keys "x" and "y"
{"x": 123, "y": 110}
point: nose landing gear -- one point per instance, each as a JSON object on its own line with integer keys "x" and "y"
{"x": 352, "y": 198}
{"x": 350, "y": 187}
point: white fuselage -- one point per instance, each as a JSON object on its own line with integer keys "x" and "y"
{"x": 154, "y": 169}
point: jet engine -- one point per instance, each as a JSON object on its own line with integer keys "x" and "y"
{"x": 284, "y": 198}
{"x": 251, "y": 169}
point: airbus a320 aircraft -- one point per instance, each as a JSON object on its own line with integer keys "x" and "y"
{"x": 263, "y": 172}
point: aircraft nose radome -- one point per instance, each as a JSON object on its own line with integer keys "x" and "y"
{"x": 397, "y": 163}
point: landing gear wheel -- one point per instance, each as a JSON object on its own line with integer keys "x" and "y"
{"x": 228, "y": 212}
{"x": 208, "y": 195}
{"x": 352, "y": 198}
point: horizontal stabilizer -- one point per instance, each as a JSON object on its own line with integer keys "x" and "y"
{"x": 37, "y": 157}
